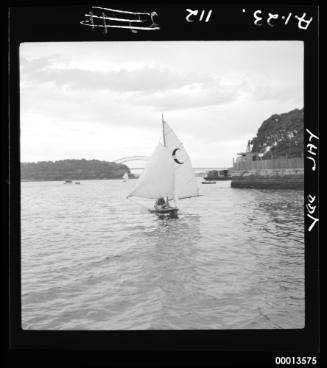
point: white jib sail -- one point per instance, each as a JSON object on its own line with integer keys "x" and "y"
{"x": 185, "y": 181}
{"x": 157, "y": 179}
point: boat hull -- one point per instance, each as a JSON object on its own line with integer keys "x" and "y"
{"x": 165, "y": 211}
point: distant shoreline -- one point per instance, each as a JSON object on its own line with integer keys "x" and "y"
{"x": 73, "y": 170}
{"x": 73, "y": 180}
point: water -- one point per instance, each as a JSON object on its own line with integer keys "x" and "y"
{"x": 234, "y": 259}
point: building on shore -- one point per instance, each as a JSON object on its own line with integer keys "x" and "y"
{"x": 251, "y": 171}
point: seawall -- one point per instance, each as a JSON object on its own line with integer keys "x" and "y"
{"x": 282, "y": 178}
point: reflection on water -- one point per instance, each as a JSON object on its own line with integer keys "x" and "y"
{"x": 93, "y": 260}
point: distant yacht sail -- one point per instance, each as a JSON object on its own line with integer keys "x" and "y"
{"x": 168, "y": 173}
{"x": 125, "y": 176}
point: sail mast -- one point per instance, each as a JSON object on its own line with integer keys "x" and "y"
{"x": 163, "y": 130}
{"x": 164, "y": 141}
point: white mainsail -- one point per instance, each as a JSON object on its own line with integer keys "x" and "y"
{"x": 185, "y": 181}
{"x": 125, "y": 176}
{"x": 157, "y": 179}
{"x": 169, "y": 171}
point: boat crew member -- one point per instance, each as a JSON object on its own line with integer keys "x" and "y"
{"x": 160, "y": 204}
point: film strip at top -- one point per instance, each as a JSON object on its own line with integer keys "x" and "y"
{"x": 105, "y": 18}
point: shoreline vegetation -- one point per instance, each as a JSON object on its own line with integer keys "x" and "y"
{"x": 276, "y": 160}
{"x": 74, "y": 180}
{"x": 281, "y": 135}
{"x": 73, "y": 170}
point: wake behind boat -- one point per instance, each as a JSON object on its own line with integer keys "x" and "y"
{"x": 168, "y": 175}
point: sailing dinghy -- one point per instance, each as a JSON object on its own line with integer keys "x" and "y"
{"x": 168, "y": 174}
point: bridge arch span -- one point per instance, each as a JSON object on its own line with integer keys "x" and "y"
{"x": 123, "y": 160}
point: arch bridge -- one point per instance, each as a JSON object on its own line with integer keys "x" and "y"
{"x": 123, "y": 160}
{"x": 126, "y": 159}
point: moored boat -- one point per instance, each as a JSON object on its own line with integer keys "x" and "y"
{"x": 125, "y": 177}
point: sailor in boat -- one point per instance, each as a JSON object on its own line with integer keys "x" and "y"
{"x": 160, "y": 204}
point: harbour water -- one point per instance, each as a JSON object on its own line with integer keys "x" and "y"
{"x": 93, "y": 260}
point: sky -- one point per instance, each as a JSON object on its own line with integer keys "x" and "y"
{"x": 104, "y": 100}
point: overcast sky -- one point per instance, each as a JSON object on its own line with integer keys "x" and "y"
{"x": 103, "y": 100}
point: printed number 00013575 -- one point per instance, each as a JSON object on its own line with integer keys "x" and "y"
{"x": 282, "y": 360}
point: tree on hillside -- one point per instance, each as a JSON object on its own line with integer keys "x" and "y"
{"x": 280, "y": 135}
{"x": 72, "y": 169}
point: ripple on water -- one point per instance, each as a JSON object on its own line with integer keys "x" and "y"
{"x": 93, "y": 260}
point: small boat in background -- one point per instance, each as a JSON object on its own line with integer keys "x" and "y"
{"x": 209, "y": 182}
{"x": 68, "y": 182}
{"x": 77, "y": 182}
{"x": 125, "y": 176}
{"x": 214, "y": 175}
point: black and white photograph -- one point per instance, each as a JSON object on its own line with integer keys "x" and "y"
{"x": 162, "y": 185}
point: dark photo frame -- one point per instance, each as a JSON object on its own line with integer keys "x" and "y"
{"x": 228, "y": 23}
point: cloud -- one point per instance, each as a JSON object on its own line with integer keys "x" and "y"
{"x": 108, "y": 100}
{"x": 29, "y": 68}
{"x": 156, "y": 87}
{"x": 192, "y": 96}
{"x": 148, "y": 79}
